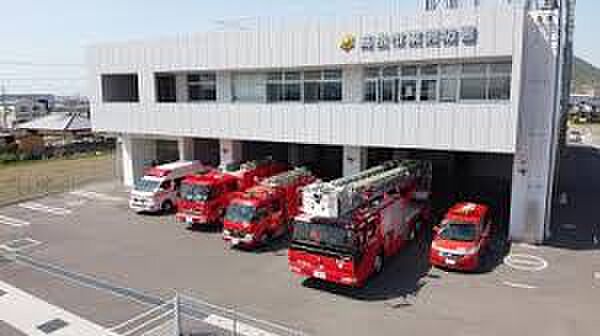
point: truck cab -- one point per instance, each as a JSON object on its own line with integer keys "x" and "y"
{"x": 254, "y": 217}
{"x": 157, "y": 190}
{"x": 462, "y": 238}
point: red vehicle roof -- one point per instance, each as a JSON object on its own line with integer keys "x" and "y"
{"x": 467, "y": 212}
{"x": 255, "y": 195}
{"x": 212, "y": 177}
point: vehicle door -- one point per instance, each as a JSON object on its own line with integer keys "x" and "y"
{"x": 166, "y": 191}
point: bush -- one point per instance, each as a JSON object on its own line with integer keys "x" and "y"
{"x": 9, "y": 157}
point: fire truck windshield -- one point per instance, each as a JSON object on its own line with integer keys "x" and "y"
{"x": 195, "y": 193}
{"x": 458, "y": 231}
{"x": 239, "y": 213}
{"x": 146, "y": 185}
{"x": 329, "y": 236}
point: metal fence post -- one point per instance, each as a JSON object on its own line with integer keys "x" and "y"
{"x": 177, "y": 316}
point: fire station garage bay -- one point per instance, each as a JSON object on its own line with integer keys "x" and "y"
{"x": 469, "y": 89}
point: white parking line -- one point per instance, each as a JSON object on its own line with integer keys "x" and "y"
{"x": 525, "y": 262}
{"x": 13, "y": 221}
{"x": 230, "y": 325}
{"x": 96, "y": 196}
{"x": 21, "y": 244}
{"x": 518, "y": 285}
{"x": 44, "y": 208}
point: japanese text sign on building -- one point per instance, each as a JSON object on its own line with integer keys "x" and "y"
{"x": 437, "y": 38}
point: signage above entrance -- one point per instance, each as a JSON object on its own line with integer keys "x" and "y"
{"x": 438, "y": 38}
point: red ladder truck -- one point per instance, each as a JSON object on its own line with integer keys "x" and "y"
{"x": 264, "y": 211}
{"x": 204, "y": 197}
{"x": 348, "y": 226}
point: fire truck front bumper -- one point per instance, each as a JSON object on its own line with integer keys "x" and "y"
{"x": 339, "y": 275}
{"x": 192, "y": 219}
{"x": 236, "y": 238}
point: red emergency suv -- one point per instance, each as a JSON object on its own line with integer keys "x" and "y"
{"x": 462, "y": 238}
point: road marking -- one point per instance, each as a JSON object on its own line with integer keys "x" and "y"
{"x": 597, "y": 275}
{"x": 13, "y": 221}
{"x": 76, "y": 203}
{"x": 528, "y": 246}
{"x": 44, "y": 208}
{"x": 20, "y": 244}
{"x": 525, "y": 262}
{"x": 96, "y": 196}
{"x": 518, "y": 285}
{"x": 240, "y": 327}
{"x": 39, "y": 313}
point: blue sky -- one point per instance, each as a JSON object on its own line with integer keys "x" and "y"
{"x": 57, "y": 31}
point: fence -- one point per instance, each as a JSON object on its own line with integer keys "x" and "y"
{"x": 163, "y": 320}
{"x": 32, "y": 179}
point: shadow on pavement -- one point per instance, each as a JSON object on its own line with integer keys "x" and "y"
{"x": 576, "y": 207}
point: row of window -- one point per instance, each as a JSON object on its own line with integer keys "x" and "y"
{"x": 384, "y": 84}
{"x": 443, "y": 83}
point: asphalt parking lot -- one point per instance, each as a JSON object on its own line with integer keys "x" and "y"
{"x": 540, "y": 290}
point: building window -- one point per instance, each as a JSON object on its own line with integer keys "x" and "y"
{"x": 248, "y": 87}
{"x": 166, "y": 90}
{"x": 500, "y": 81}
{"x": 408, "y": 90}
{"x": 202, "y": 87}
{"x": 120, "y": 88}
{"x": 486, "y": 81}
{"x": 308, "y": 86}
{"x": 448, "y": 90}
{"x": 381, "y": 84}
{"x": 473, "y": 88}
{"x": 428, "y": 92}
{"x": 284, "y": 86}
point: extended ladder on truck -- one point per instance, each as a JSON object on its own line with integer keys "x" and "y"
{"x": 286, "y": 178}
{"x": 335, "y": 198}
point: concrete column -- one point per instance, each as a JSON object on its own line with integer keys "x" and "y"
{"x": 186, "y": 149}
{"x": 137, "y": 156}
{"x": 355, "y": 160}
{"x": 230, "y": 151}
{"x": 181, "y": 88}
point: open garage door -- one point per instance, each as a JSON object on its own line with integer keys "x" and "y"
{"x": 255, "y": 150}
{"x": 166, "y": 151}
{"x": 207, "y": 151}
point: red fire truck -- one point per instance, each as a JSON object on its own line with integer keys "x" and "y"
{"x": 264, "y": 211}
{"x": 349, "y": 226}
{"x": 204, "y": 198}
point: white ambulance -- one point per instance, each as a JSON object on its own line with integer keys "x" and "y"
{"x": 157, "y": 190}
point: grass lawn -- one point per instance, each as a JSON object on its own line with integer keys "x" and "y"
{"x": 29, "y": 178}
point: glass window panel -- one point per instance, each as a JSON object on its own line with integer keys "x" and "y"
{"x": 292, "y": 76}
{"x": 409, "y": 70}
{"x": 501, "y": 68}
{"x": 499, "y": 88}
{"x": 292, "y": 92}
{"x": 312, "y": 75}
{"x": 202, "y": 92}
{"x": 247, "y": 87}
{"x": 450, "y": 70}
{"x": 408, "y": 90}
{"x": 473, "y": 88}
{"x": 388, "y": 91}
{"x": 274, "y": 92}
{"x": 275, "y": 76}
{"x": 332, "y": 74}
{"x": 448, "y": 90}
{"x": 331, "y": 91}
{"x": 429, "y": 70}
{"x": 193, "y": 78}
{"x": 372, "y": 73}
{"x": 166, "y": 89}
{"x": 474, "y": 69}
{"x": 371, "y": 91}
{"x": 311, "y": 92}
{"x": 390, "y": 72}
{"x": 428, "y": 91}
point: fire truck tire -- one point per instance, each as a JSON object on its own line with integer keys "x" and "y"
{"x": 167, "y": 207}
{"x": 378, "y": 264}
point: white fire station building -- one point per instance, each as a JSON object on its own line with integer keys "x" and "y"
{"x": 471, "y": 89}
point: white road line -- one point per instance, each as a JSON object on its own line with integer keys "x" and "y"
{"x": 96, "y": 196}
{"x": 525, "y": 262}
{"x": 13, "y": 221}
{"x": 229, "y": 325}
{"x": 26, "y": 313}
{"x": 518, "y": 285}
{"x": 29, "y": 242}
{"x": 44, "y": 208}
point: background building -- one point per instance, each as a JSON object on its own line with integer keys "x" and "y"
{"x": 467, "y": 88}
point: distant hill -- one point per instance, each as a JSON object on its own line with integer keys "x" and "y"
{"x": 585, "y": 75}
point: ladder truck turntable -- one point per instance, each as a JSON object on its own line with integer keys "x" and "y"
{"x": 264, "y": 211}
{"x": 347, "y": 227}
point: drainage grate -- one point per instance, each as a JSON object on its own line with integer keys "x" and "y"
{"x": 52, "y": 326}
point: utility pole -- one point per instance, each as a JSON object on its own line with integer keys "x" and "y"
{"x": 4, "y": 107}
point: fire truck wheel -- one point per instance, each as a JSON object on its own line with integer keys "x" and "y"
{"x": 378, "y": 263}
{"x": 167, "y": 207}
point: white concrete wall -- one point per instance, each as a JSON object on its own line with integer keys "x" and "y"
{"x": 532, "y": 169}
{"x": 137, "y": 153}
